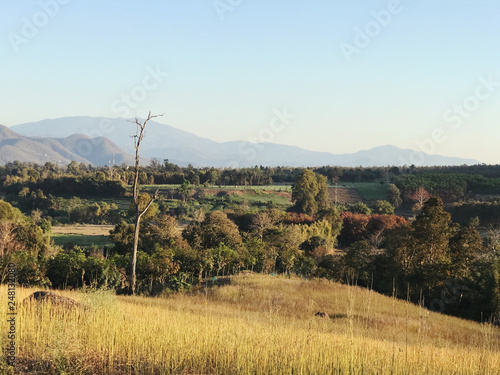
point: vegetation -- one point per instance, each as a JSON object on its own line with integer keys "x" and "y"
{"x": 257, "y": 324}
{"x": 402, "y": 240}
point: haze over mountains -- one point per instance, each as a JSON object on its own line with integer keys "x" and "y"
{"x": 77, "y": 147}
{"x": 93, "y": 139}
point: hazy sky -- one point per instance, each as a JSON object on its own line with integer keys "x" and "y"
{"x": 421, "y": 74}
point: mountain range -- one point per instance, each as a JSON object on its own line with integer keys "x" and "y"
{"x": 77, "y": 147}
{"x": 94, "y": 139}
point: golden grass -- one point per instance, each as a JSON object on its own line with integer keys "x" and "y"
{"x": 83, "y": 229}
{"x": 257, "y": 325}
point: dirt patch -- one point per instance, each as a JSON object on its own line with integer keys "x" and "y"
{"x": 284, "y": 194}
{"x": 228, "y": 191}
{"x": 344, "y": 195}
{"x": 53, "y": 298}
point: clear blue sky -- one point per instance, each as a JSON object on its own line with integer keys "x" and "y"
{"x": 229, "y": 70}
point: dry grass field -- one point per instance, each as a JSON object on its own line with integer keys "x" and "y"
{"x": 257, "y": 325}
{"x": 83, "y": 229}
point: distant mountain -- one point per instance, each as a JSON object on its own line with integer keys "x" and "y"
{"x": 183, "y": 148}
{"x": 80, "y": 148}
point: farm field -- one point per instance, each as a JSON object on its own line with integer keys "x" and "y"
{"x": 368, "y": 190}
{"x": 83, "y": 229}
{"x": 344, "y": 195}
{"x": 258, "y": 324}
{"x": 82, "y": 235}
{"x": 83, "y": 240}
{"x": 152, "y": 188}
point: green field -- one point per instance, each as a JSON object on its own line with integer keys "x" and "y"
{"x": 82, "y": 240}
{"x": 258, "y": 198}
{"x": 164, "y": 188}
{"x": 368, "y": 190}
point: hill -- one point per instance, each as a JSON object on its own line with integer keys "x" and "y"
{"x": 80, "y": 148}
{"x": 255, "y": 325}
{"x": 183, "y": 148}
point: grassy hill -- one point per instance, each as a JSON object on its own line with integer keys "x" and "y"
{"x": 256, "y": 325}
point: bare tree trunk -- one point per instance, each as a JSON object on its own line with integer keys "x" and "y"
{"x": 138, "y": 137}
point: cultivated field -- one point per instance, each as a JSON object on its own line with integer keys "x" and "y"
{"x": 83, "y": 229}
{"x": 81, "y": 235}
{"x": 257, "y": 325}
{"x": 368, "y": 190}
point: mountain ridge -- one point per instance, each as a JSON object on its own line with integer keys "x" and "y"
{"x": 183, "y": 148}
{"x": 79, "y": 148}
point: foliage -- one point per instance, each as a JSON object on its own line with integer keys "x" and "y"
{"x": 310, "y": 193}
{"x": 384, "y": 208}
{"x": 72, "y": 269}
{"x": 215, "y": 229}
{"x": 394, "y": 195}
{"x": 360, "y": 208}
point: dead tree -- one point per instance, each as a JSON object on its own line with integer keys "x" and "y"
{"x": 139, "y": 212}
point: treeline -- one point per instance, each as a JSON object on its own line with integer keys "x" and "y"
{"x": 460, "y": 180}
{"x": 445, "y": 266}
{"x": 429, "y": 259}
{"x": 450, "y": 187}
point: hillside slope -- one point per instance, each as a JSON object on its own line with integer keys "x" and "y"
{"x": 257, "y": 324}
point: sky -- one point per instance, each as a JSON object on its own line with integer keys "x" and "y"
{"x": 325, "y": 75}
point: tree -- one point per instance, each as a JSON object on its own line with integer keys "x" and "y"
{"x": 310, "y": 192}
{"x": 264, "y": 220}
{"x": 394, "y": 195}
{"x": 304, "y": 192}
{"x": 8, "y": 240}
{"x": 282, "y": 248}
{"x": 353, "y": 227}
{"x": 139, "y": 211}
{"x": 465, "y": 246}
{"x": 215, "y": 229}
{"x": 379, "y": 225}
{"x": 185, "y": 189}
{"x": 222, "y": 256}
{"x": 322, "y": 198}
{"x": 360, "y": 208}
{"x": 419, "y": 197}
{"x": 421, "y": 251}
{"x": 384, "y": 208}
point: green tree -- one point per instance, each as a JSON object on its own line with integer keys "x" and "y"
{"x": 360, "y": 208}
{"x": 322, "y": 197}
{"x": 215, "y": 229}
{"x": 421, "y": 251}
{"x": 185, "y": 189}
{"x": 310, "y": 192}
{"x": 394, "y": 195}
{"x": 222, "y": 256}
{"x": 384, "y": 208}
{"x": 465, "y": 247}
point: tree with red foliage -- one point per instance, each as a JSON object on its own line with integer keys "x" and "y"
{"x": 419, "y": 196}
{"x": 380, "y": 224}
{"x": 359, "y": 227}
{"x": 353, "y": 228}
